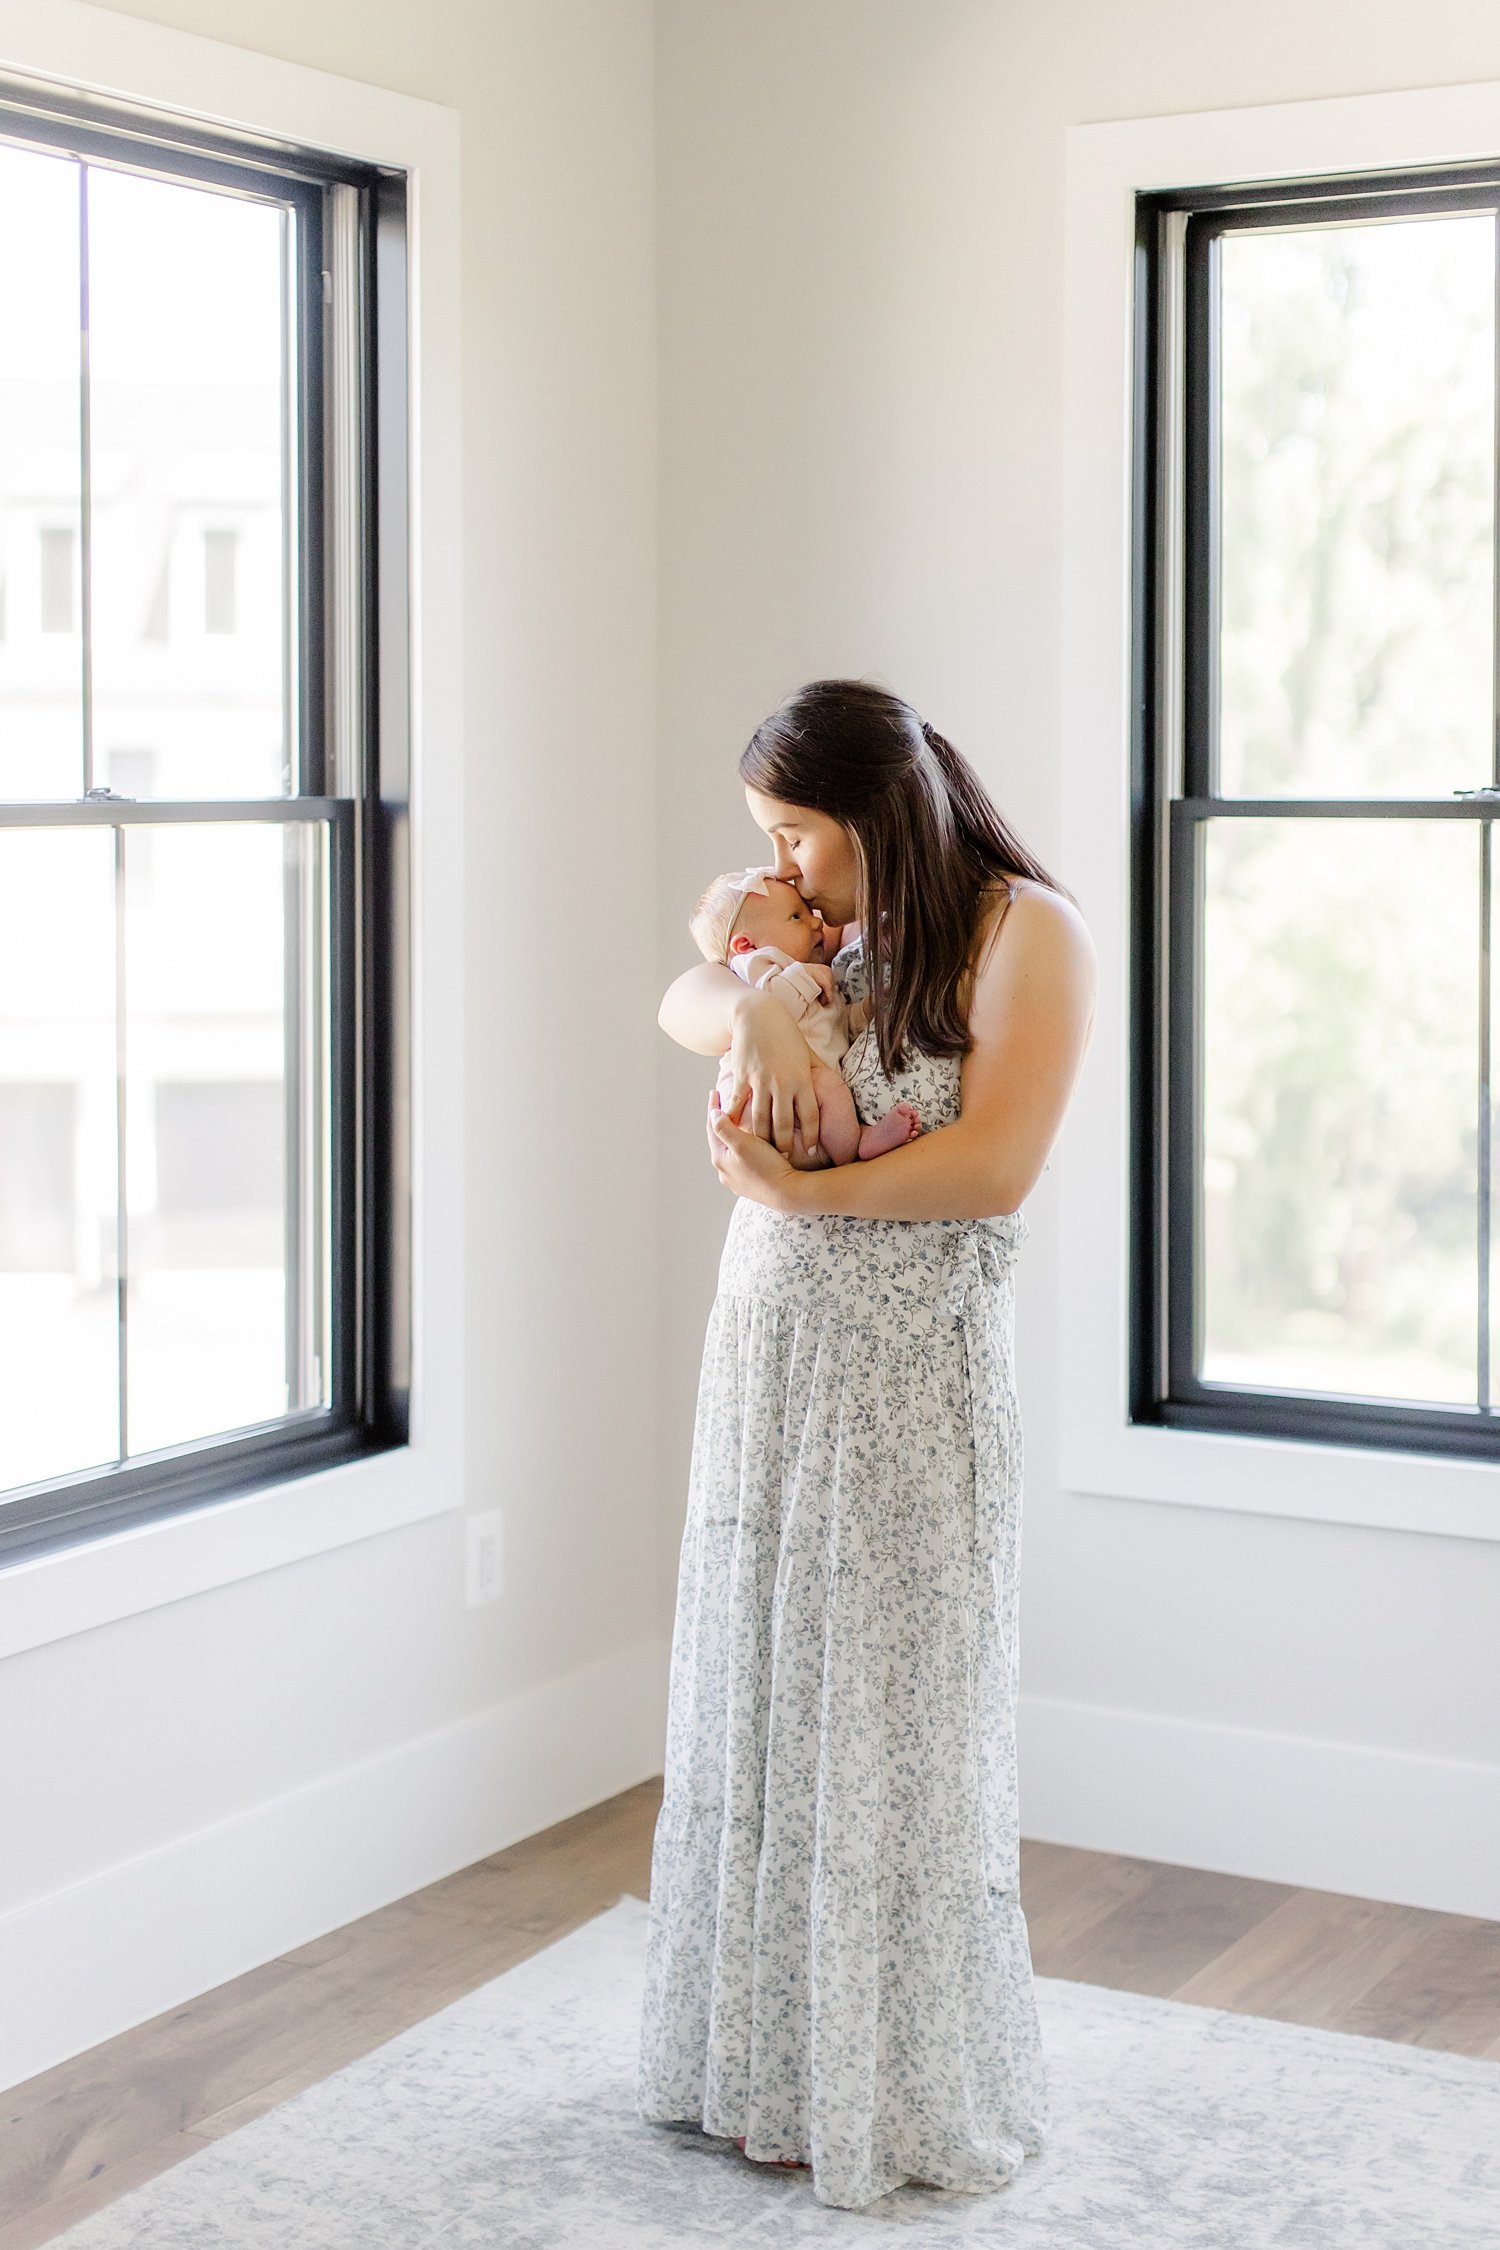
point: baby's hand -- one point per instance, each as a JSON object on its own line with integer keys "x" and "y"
{"x": 823, "y": 978}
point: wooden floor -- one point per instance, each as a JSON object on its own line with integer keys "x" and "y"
{"x": 77, "y": 2137}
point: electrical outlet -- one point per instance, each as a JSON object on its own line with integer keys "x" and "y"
{"x": 483, "y": 1580}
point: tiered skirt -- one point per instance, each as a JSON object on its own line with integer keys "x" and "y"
{"x": 838, "y": 1965}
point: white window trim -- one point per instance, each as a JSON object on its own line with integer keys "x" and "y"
{"x": 72, "y": 1589}
{"x": 1101, "y": 1452}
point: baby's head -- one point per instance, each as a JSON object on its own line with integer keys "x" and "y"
{"x": 730, "y": 918}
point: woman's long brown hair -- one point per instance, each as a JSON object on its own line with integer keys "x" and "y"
{"x": 930, "y": 842}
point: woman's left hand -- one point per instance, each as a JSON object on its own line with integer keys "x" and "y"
{"x": 747, "y": 1164}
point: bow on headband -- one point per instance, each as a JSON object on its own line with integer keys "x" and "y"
{"x": 753, "y": 879}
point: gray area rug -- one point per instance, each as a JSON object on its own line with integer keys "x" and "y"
{"x": 508, "y": 2120}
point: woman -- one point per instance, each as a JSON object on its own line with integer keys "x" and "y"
{"x": 838, "y": 1969}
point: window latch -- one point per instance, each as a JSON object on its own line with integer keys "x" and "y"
{"x": 1489, "y": 790}
{"x": 99, "y": 790}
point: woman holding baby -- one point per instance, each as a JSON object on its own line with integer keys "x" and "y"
{"x": 838, "y": 1968}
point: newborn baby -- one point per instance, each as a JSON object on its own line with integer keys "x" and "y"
{"x": 767, "y": 933}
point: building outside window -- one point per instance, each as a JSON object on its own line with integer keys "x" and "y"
{"x": 201, "y": 1073}
{"x": 1317, "y": 774}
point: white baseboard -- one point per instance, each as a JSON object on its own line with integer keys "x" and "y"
{"x": 106, "y": 1954}
{"x": 1327, "y": 1816}
{"x": 94, "y": 1960}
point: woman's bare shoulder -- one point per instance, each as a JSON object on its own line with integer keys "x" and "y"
{"x": 1035, "y": 941}
{"x": 1038, "y": 918}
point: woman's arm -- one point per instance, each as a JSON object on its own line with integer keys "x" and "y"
{"x": 1031, "y": 1019}
{"x": 697, "y": 1008}
{"x": 712, "y": 1011}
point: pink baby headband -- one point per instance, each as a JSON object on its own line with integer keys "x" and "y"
{"x": 751, "y": 883}
{"x": 713, "y": 919}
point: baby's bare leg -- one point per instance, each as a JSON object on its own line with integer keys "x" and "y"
{"x": 838, "y": 1121}
{"x": 838, "y": 1124}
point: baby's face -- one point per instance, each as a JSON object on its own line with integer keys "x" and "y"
{"x": 784, "y": 918}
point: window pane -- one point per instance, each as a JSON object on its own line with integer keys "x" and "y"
{"x": 41, "y": 663}
{"x": 1358, "y": 504}
{"x": 226, "y": 1132}
{"x": 189, "y": 598}
{"x": 1341, "y": 1076}
{"x": 59, "y": 1370}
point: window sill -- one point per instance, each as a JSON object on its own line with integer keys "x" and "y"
{"x": 1265, "y": 1476}
{"x": 67, "y": 1590}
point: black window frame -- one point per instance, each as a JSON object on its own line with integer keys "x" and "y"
{"x": 1174, "y": 703}
{"x": 353, "y": 726}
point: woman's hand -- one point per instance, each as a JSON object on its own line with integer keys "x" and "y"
{"x": 772, "y": 1063}
{"x": 749, "y": 1165}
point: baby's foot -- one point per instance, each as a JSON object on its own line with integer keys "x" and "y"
{"x": 898, "y": 1126}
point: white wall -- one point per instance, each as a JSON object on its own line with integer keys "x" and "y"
{"x": 131, "y": 1738}
{"x": 861, "y": 233}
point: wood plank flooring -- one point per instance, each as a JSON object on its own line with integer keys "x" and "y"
{"x": 90, "y": 2130}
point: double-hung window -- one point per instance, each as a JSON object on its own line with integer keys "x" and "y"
{"x": 1315, "y": 1240}
{"x": 203, "y": 1054}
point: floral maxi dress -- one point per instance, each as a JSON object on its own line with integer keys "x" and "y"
{"x": 838, "y": 1966}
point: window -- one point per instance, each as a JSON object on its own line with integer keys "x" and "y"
{"x": 1317, "y": 773}
{"x": 203, "y": 1056}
